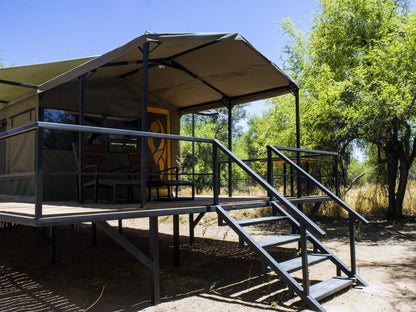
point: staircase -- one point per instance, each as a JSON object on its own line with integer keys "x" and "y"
{"x": 303, "y": 231}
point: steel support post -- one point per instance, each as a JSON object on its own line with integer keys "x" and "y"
{"x": 352, "y": 244}
{"x": 193, "y": 154}
{"x": 304, "y": 255}
{"x": 39, "y": 173}
{"x": 81, "y": 140}
{"x": 143, "y": 145}
{"x": 296, "y": 93}
{"x": 230, "y": 147}
{"x": 120, "y": 226}
{"x": 93, "y": 234}
{"x": 298, "y": 156}
{"x": 191, "y": 229}
{"x": 151, "y": 262}
{"x": 269, "y": 171}
{"x": 154, "y": 256}
{"x": 192, "y": 224}
{"x": 52, "y": 243}
{"x": 216, "y": 173}
{"x": 176, "y": 252}
{"x": 336, "y": 174}
{"x": 284, "y": 180}
{"x": 292, "y": 184}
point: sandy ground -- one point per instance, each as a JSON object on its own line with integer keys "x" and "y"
{"x": 215, "y": 275}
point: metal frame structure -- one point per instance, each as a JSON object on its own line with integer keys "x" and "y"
{"x": 307, "y": 228}
{"x": 301, "y": 153}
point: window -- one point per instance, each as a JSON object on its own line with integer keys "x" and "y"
{"x": 62, "y": 140}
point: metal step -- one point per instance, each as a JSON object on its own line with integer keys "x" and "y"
{"x": 308, "y": 199}
{"x": 329, "y": 287}
{"x": 254, "y": 221}
{"x": 295, "y": 264}
{"x": 278, "y": 241}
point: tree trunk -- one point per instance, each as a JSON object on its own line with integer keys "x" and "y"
{"x": 404, "y": 168}
{"x": 392, "y": 169}
{"x": 399, "y": 161}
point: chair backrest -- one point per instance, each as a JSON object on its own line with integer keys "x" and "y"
{"x": 94, "y": 154}
{"x": 134, "y": 158}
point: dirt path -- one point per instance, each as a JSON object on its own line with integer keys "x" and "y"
{"x": 212, "y": 276}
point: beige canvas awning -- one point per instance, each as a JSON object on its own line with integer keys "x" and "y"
{"x": 191, "y": 72}
{"x": 15, "y": 82}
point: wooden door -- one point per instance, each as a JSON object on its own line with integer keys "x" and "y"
{"x": 159, "y": 150}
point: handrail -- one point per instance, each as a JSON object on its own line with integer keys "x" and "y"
{"x": 102, "y": 130}
{"x": 302, "y": 218}
{"x": 14, "y": 132}
{"x": 302, "y": 150}
{"x": 319, "y": 185}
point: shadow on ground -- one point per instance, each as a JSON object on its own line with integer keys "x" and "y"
{"x": 115, "y": 281}
{"x": 106, "y": 278}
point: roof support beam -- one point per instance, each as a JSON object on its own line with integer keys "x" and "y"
{"x": 174, "y": 64}
{"x": 143, "y": 141}
{"x": 19, "y": 84}
{"x": 230, "y": 147}
{"x": 195, "y": 49}
{"x": 81, "y": 103}
{"x": 234, "y": 100}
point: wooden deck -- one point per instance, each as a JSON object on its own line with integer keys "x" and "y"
{"x": 54, "y": 213}
{"x": 73, "y": 212}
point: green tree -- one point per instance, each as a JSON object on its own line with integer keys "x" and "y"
{"x": 275, "y": 126}
{"x": 356, "y": 72}
{"x": 216, "y": 127}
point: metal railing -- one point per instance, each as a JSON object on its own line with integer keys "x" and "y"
{"x": 299, "y": 215}
{"x": 352, "y": 214}
{"x": 313, "y": 161}
{"x": 39, "y": 128}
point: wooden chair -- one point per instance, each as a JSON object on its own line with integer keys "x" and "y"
{"x": 97, "y": 172}
{"x": 168, "y": 177}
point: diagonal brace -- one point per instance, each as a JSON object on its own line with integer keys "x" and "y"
{"x": 123, "y": 242}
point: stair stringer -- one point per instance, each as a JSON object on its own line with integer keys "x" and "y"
{"x": 292, "y": 284}
{"x": 334, "y": 259}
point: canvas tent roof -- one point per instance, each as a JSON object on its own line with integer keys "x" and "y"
{"x": 33, "y": 75}
{"x": 188, "y": 71}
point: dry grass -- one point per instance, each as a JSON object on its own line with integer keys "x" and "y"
{"x": 371, "y": 200}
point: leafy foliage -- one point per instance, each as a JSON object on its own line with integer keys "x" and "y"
{"x": 356, "y": 72}
{"x": 215, "y": 126}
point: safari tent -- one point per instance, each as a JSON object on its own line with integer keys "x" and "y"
{"x": 134, "y": 96}
{"x": 186, "y": 73}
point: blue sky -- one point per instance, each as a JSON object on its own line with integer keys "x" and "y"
{"x": 43, "y": 31}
